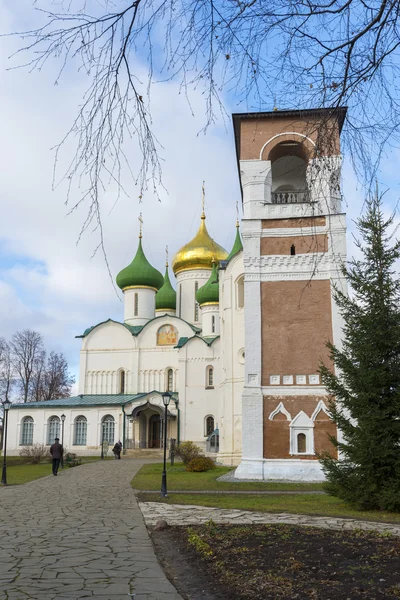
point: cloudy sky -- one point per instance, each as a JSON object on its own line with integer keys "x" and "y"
{"x": 50, "y": 283}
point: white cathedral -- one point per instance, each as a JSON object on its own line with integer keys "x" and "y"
{"x": 239, "y": 342}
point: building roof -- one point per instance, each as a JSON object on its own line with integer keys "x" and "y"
{"x": 209, "y": 292}
{"x": 237, "y": 246}
{"x": 207, "y": 340}
{"x": 136, "y": 329}
{"x": 199, "y": 253}
{"x": 88, "y": 400}
{"x": 140, "y": 273}
{"x": 166, "y": 295}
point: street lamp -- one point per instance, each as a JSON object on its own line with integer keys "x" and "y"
{"x": 62, "y": 439}
{"x": 6, "y": 407}
{"x": 166, "y": 397}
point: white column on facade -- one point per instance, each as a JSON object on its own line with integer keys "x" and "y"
{"x": 323, "y": 182}
{"x": 256, "y": 180}
{"x": 210, "y": 322}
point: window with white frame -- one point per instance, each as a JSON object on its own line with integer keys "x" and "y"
{"x": 27, "y": 431}
{"x": 170, "y": 380}
{"x": 80, "y": 431}
{"x": 209, "y": 377}
{"x": 53, "y": 429}
{"x": 209, "y": 425}
{"x": 122, "y": 382}
{"x": 108, "y": 426}
{"x": 240, "y": 292}
{"x": 301, "y": 434}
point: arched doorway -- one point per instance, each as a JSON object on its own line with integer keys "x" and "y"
{"x": 155, "y": 431}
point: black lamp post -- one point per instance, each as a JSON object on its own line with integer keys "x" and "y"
{"x": 102, "y": 441}
{"x": 166, "y": 400}
{"x": 6, "y": 408}
{"x": 62, "y": 439}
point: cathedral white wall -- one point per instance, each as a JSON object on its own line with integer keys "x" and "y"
{"x": 233, "y": 358}
{"x": 185, "y": 293}
{"x": 210, "y": 322}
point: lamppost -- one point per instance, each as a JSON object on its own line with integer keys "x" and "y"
{"x": 6, "y": 407}
{"x": 102, "y": 441}
{"x": 166, "y": 400}
{"x": 62, "y": 439}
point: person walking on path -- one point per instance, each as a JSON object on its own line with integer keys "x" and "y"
{"x": 117, "y": 450}
{"x": 56, "y": 451}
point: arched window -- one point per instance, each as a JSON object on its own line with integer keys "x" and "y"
{"x": 209, "y": 377}
{"x": 122, "y": 382}
{"x": 170, "y": 380}
{"x": 209, "y": 425}
{"x": 136, "y": 304}
{"x": 80, "y": 431}
{"x": 292, "y": 250}
{"x": 301, "y": 443}
{"x": 240, "y": 292}
{"x": 27, "y": 431}
{"x": 196, "y": 304}
{"x": 53, "y": 429}
{"x": 108, "y": 426}
{"x": 212, "y": 324}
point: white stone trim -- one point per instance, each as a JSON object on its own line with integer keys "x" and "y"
{"x": 280, "y": 409}
{"x": 284, "y": 134}
{"x": 294, "y": 390}
{"x": 301, "y": 424}
{"x": 320, "y": 406}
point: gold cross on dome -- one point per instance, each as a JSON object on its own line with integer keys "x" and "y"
{"x": 141, "y": 223}
{"x": 166, "y": 255}
{"x": 203, "y": 198}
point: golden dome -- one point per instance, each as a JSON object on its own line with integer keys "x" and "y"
{"x": 198, "y": 253}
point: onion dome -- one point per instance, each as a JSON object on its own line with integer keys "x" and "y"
{"x": 140, "y": 273}
{"x": 166, "y": 295}
{"x": 209, "y": 292}
{"x": 199, "y": 253}
{"x": 237, "y": 246}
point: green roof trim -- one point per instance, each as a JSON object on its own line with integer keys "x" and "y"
{"x": 88, "y": 400}
{"x": 237, "y": 246}
{"x": 136, "y": 329}
{"x": 209, "y": 292}
{"x": 139, "y": 273}
{"x": 207, "y": 340}
{"x": 166, "y": 295}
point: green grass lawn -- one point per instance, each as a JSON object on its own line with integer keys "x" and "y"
{"x": 17, "y": 474}
{"x": 318, "y": 505}
{"x": 149, "y": 478}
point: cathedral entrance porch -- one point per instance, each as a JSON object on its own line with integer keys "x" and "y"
{"x": 146, "y": 427}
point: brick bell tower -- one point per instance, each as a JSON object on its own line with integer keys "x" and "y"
{"x": 294, "y": 241}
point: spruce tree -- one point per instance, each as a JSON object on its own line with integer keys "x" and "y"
{"x": 365, "y": 387}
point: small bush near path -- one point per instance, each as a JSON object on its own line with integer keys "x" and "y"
{"x": 200, "y": 464}
{"x": 36, "y": 453}
{"x": 281, "y": 562}
{"x": 149, "y": 478}
{"x": 187, "y": 451}
{"x": 307, "y": 504}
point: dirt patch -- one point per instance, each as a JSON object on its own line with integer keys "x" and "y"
{"x": 279, "y": 562}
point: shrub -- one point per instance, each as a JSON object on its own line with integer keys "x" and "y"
{"x": 35, "y": 454}
{"x": 188, "y": 450}
{"x": 200, "y": 464}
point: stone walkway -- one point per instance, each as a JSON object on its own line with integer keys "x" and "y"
{"x": 78, "y": 535}
{"x": 179, "y": 514}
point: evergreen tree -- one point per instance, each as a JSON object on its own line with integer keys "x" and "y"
{"x": 365, "y": 387}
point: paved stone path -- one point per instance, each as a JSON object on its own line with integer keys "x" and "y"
{"x": 78, "y": 535}
{"x": 180, "y": 514}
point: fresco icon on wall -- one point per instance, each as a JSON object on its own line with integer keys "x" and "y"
{"x": 167, "y": 335}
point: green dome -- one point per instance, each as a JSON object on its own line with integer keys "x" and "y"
{"x": 237, "y": 246}
{"x": 139, "y": 273}
{"x": 209, "y": 292}
{"x": 166, "y": 295}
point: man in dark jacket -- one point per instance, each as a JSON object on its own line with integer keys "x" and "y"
{"x": 56, "y": 451}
